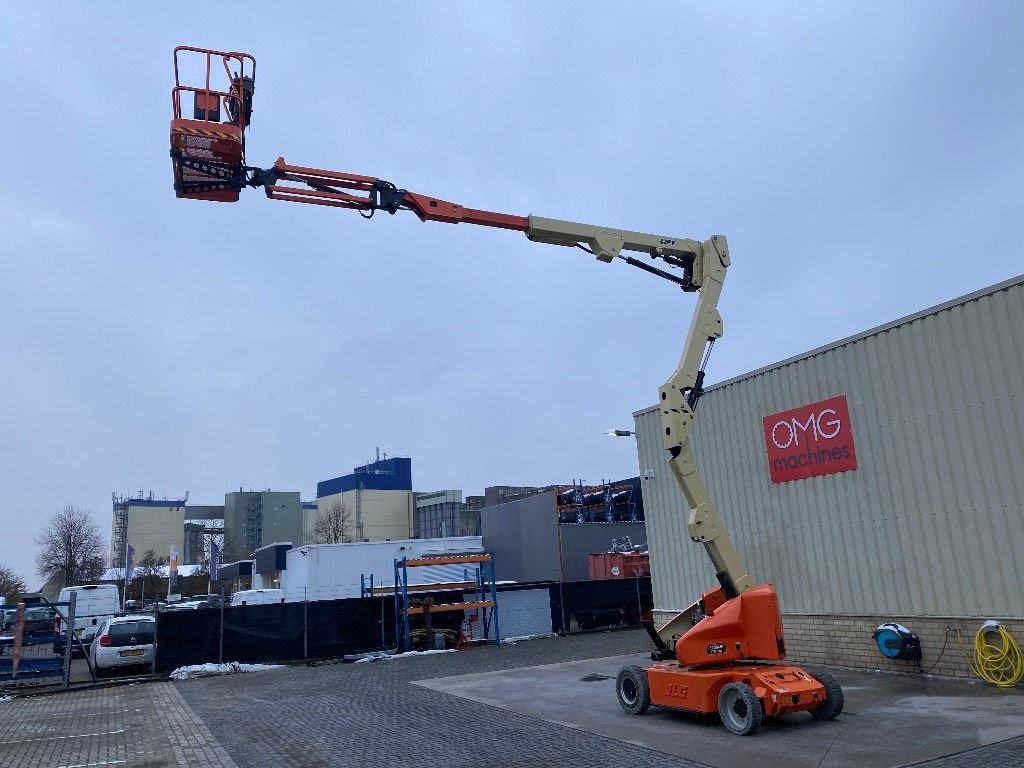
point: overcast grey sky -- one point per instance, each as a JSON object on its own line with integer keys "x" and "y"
{"x": 864, "y": 159}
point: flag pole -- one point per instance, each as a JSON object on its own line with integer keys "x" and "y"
{"x": 172, "y": 570}
{"x": 214, "y": 563}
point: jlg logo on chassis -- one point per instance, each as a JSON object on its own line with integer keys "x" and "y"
{"x": 811, "y": 440}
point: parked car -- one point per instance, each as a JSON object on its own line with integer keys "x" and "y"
{"x": 93, "y": 604}
{"x": 205, "y": 601}
{"x": 123, "y": 641}
{"x": 38, "y": 621}
{"x": 185, "y": 605}
{"x": 257, "y": 597}
{"x": 215, "y": 601}
{"x": 7, "y": 617}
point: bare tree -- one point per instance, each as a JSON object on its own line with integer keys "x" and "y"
{"x": 11, "y": 584}
{"x": 147, "y": 578}
{"x": 149, "y": 565}
{"x": 71, "y": 547}
{"x": 334, "y": 525}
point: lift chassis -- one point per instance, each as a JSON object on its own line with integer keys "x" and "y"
{"x": 724, "y": 652}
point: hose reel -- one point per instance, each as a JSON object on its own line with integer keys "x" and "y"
{"x": 895, "y": 641}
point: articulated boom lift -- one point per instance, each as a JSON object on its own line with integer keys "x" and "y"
{"x": 723, "y": 652}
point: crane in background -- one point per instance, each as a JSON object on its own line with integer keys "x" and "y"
{"x": 724, "y": 653}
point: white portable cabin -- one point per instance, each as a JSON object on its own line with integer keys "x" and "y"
{"x": 334, "y": 571}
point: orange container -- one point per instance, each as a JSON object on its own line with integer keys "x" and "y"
{"x": 619, "y": 565}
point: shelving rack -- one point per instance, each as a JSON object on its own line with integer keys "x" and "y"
{"x": 486, "y": 606}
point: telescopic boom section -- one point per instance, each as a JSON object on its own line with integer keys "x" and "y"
{"x": 368, "y": 193}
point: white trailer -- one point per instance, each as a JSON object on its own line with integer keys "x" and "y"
{"x": 335, "y": 571}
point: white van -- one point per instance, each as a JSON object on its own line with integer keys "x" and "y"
{"x": 94, "y": 604}
{"x": 257, "y": 597}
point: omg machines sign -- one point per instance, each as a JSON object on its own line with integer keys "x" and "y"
{"x": 810, "y": 440}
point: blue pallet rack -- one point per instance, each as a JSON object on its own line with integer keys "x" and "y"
{"x": 482, "y": 585}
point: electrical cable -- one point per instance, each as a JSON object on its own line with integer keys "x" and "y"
{"x": 1001, "y": 665}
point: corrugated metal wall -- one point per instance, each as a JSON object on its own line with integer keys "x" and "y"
{"x": 932, "y": 520}
{"x": 523, "y": 537}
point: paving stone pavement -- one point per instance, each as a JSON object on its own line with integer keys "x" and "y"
{"x": 372, "y": 715}
{"x": 142, "y": 726}
{"x": 1005, "y": 754}
{"x": 338, "y": 715}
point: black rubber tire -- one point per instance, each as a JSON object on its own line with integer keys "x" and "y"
{"x": 633, "y": 690}
{"x": 739, "y": 708}
{"x": 834, "y": 699}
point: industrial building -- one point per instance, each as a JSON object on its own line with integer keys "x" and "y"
{"x": 309, "y": 514}
{"x": 156, "y": 524}
{"x": 538, "y": 538}
{"x": 146, "y": 524}
{"x": 255, "y": 518}
{"x": 443, "y": 513}
{"x": 879, "y": 478}
{"x": 377, "y": 495}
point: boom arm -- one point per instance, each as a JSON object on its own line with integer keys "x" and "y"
{"x": 208, "y": 159}
{"x": 703, "y": 264}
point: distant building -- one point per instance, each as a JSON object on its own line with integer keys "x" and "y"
{"x": 146, "y": 524}
{"x": 255, "y": 518}
{"x": 202, "y": 522}
{"x": 204, "y": 511}
{"x": 547, "y": 537}
{"x": 378, "y": 496}
{"x": 443, "y": 513}
{"x": 309, "y": 514}
{"x": 500, "y": 494}
{"x": 192, "y": 554}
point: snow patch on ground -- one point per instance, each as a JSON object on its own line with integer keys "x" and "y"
{"x": 514, "y": 640}
{"x": 208, "y": 670}
{"x": 421, "y": 653}
{"x": 379, "y": 657}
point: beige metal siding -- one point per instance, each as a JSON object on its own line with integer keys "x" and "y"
{"x": 375, "y": 515}
{"x": 156, "y": 528}
{"x": 932, "y": 520}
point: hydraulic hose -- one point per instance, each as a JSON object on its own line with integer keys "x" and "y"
{"x": 997, "y": 658}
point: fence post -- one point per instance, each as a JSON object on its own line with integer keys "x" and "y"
{"x": 72, "y": 599}
{"x": 156, "y": 639}
{"x": 19, "y": 636}
{"x": 305, "y": 625}
{"x": 220, "y": 653}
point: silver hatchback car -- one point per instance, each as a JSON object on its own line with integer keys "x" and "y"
{"x": 123, "y": 641}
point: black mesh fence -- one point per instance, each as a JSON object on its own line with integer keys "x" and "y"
{"x": 282, "y": 631}
{"x": 581, "y": 605}
{"x": 332, "y": 628}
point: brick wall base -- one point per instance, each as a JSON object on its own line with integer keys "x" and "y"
{"x": 845, "y": 641}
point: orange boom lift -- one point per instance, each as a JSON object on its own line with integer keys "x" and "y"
{"x": 724, "y": 653}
